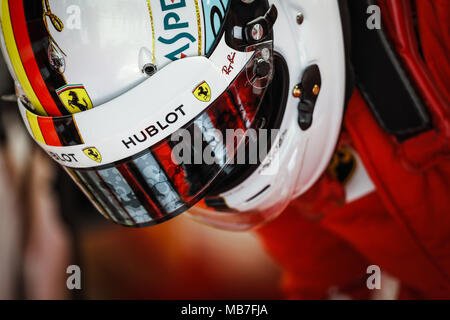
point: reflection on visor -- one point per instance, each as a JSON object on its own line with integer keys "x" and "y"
{"x": 152, "y": 187}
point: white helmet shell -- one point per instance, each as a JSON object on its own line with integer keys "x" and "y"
{"x": 104, "y": 84}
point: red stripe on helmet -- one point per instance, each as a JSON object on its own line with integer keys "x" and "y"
{"x": 28, "y": 59}
{"x": 49, "y": 131}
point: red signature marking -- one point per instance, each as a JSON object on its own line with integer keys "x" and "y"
{"x": 227, "y": 69}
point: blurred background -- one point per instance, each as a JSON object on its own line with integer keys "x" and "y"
{"x": 46, "y": 225}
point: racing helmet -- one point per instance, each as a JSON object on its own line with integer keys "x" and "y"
{"x": 157, "y": 107}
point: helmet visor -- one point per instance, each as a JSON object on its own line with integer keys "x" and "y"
{"x": 171, "y": 176}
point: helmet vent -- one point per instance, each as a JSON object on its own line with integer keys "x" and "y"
{"x": 149, "y": 69}
{"x": 147, "y": 63}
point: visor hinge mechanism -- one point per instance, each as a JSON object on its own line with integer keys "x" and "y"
{"x": 308, "y": 92}
{"x": 258, "y": 30}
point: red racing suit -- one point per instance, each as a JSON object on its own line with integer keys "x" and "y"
{"x": 403, "y": 225}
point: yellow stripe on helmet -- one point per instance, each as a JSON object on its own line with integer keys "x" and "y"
{"x": 199, "y": 26}
{"x": 14, "y": 56}
{"x": 34, "y": 126}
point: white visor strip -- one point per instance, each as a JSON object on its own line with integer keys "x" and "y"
{"x": 152, "y": 111}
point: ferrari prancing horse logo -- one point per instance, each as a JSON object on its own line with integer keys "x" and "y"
{"x": 203, "y": 92}
{"x": 93, "y": 154}
{"x": 343, "y": 166}
{"x": 75, "y": 98}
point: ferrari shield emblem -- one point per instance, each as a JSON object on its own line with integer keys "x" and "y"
{"x": 343, "y": 165}
{"x": 203, "y": 92}
{"x": 93, "y": 154}
{"x": 75, "y": 98}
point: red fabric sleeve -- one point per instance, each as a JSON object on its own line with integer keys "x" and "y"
{"x": 314, "y": 259}
{"x": 434, "y": 26}
{"x": 403, "y": 227}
